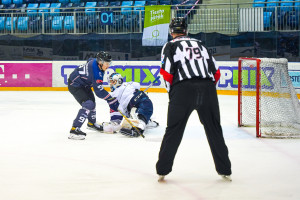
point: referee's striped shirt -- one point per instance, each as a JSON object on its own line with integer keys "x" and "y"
{"x": 185, "y": 58}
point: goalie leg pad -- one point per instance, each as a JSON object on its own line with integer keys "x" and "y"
{"x": 111, "y": 127}
{"x": 130, "y": 132}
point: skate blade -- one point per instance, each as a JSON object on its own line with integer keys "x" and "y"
{"x": 161, "y": 179}
{"x": 226, "y": 177}
{"x": 76, "y": 137}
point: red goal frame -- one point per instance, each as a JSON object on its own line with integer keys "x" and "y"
{"x": 258, "y": 91}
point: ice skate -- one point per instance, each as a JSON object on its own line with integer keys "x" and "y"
{"x": 161, "y": 178}
{"x": 76, "y": 134}
{"x": 152, "y": 124}
{"x": 226, "y": 177}
{"x": 94, "y": 126}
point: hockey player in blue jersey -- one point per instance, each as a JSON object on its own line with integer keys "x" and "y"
{"x": 132, "y": 102}
{"x": 79, "y": 84}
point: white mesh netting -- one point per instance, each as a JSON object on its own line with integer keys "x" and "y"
{"x": 279, "y": 105}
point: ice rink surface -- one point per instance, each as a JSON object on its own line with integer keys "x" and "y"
{"x": 38, "y": 162}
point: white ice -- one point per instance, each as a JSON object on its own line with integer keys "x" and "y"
{"x": 38, "y": 162}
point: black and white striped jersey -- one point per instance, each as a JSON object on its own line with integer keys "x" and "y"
{"x": 186, "y": 58}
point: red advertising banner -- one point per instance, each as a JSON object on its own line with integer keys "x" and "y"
{"x": 25, "y": 74}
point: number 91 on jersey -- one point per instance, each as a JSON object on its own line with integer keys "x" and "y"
{"x": 106, "y": 18}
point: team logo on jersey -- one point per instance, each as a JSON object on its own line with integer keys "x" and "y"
{"x": 99, "y": 81}
{"x": 162, "y": 59}
{"x": 100, "y": 74}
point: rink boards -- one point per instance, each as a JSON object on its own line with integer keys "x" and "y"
{"x": 53, "y": 75}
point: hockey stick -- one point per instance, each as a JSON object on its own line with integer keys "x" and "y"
{"x": 156, "y": 79}
{"x": 131, "y": 124}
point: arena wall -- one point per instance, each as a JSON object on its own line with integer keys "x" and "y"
{"x": 53, "y": 75}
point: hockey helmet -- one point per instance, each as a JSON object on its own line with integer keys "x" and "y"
{"x": 115, "y": 80}
{"x": 102, "y": 57}
{"x": 178, "y": 25}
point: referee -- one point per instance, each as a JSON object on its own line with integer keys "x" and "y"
{"x": 190, "y": 74}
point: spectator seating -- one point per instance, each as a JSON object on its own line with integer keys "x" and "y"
{"x": 32, "y": 9}
{"x": 57, "y": 23}
{"x": 79, "y": 7}
{"x": 125, "y": 9}
{"x": 152, "y": 3}
{"x": 18, "y": 2}
{"x": 10, "y": 8}
{"x": 69, "y": 23}
{"x": 267, "y": 19}
{"x": 21, "y": 8}
{"x": 90, "y": 8}
{"x": 9, "y": 24}
{"x": 66, "y": 7}
{"x": 43, "y": 9}
{"x": 23, "y": 23}
{"x": 259, "y": 3}
{"x": 138, "y": 6}
{"x": 286, "y": 5}
{"x": 165, "y": 2}
{"x": 115, "y": 4}
{"x": 54, "y": 9}
{"x": 6, "y": 2}
{"x": 101, "y": 5}
{"x": 271, "y": 4}
{"x": 2, "y": 23}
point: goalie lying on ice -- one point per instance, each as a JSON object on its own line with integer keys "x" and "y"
{"x": 135, "y": 104}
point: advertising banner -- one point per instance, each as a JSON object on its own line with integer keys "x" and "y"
{"x": 18, "y": 74}
{"x": 156, "y": 26}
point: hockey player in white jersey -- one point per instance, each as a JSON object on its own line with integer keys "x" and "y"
{"x": 135, "y": 104}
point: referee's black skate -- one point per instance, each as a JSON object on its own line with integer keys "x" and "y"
{"x": 94, "y": 126}
{"x": 76, "y": 134}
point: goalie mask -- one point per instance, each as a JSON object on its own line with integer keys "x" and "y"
{"x": 115, "y": 80}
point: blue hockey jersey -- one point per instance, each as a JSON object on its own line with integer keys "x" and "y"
{"x": 89, "y": 75}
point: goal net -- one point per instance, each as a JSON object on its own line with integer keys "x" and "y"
{"x": 267, "y": 99}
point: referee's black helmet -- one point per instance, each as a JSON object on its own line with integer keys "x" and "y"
{"x": 178, "y": 25}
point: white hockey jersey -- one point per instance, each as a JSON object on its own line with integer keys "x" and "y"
{"x": 124, "y": 93}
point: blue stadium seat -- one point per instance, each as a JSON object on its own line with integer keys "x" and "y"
{"x": 18, "y": 2}
{"x": 69, "y": 23}
{"x": 90, "y": 8}
{"x": 165, "y": 2}
{"x": 259, "y": 3}
{"x": 79, "y": 7}
{"x": 125, "y": 10}
{"x": 66, "y": 7}
{"x": 286, "y": 5}
{"x": 57, "y": 23}
{"x": 43, "y": 9}
{"x": 293, "y": 19}
{"x": 63, "y": 1}
{"x": 297, "y": 6}
{"x": 115, "y": 4}
{"x": 32, "y": 12}
{"x": 41, "y": 1}
{"x": 21, "y": 8}
{"x": 10, "y": 8}
{"x": 267, "y": 19}
{"x": 152, "y": 3}
{"x": 23, "y": 23}
{"x": 6, "y": 2}
{"x": 8, "y": 23}
{"x": 103, "y": 5}
{"x": 54, "y": 9}
{"x": 271, "y": 5}
{"x": 137, "y": 8}
{"x": 2, "y": 23}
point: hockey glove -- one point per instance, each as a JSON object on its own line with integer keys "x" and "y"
{"x": 113, "y": 104}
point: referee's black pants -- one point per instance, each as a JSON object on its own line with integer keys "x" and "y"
{"x": 186, "y": 96}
